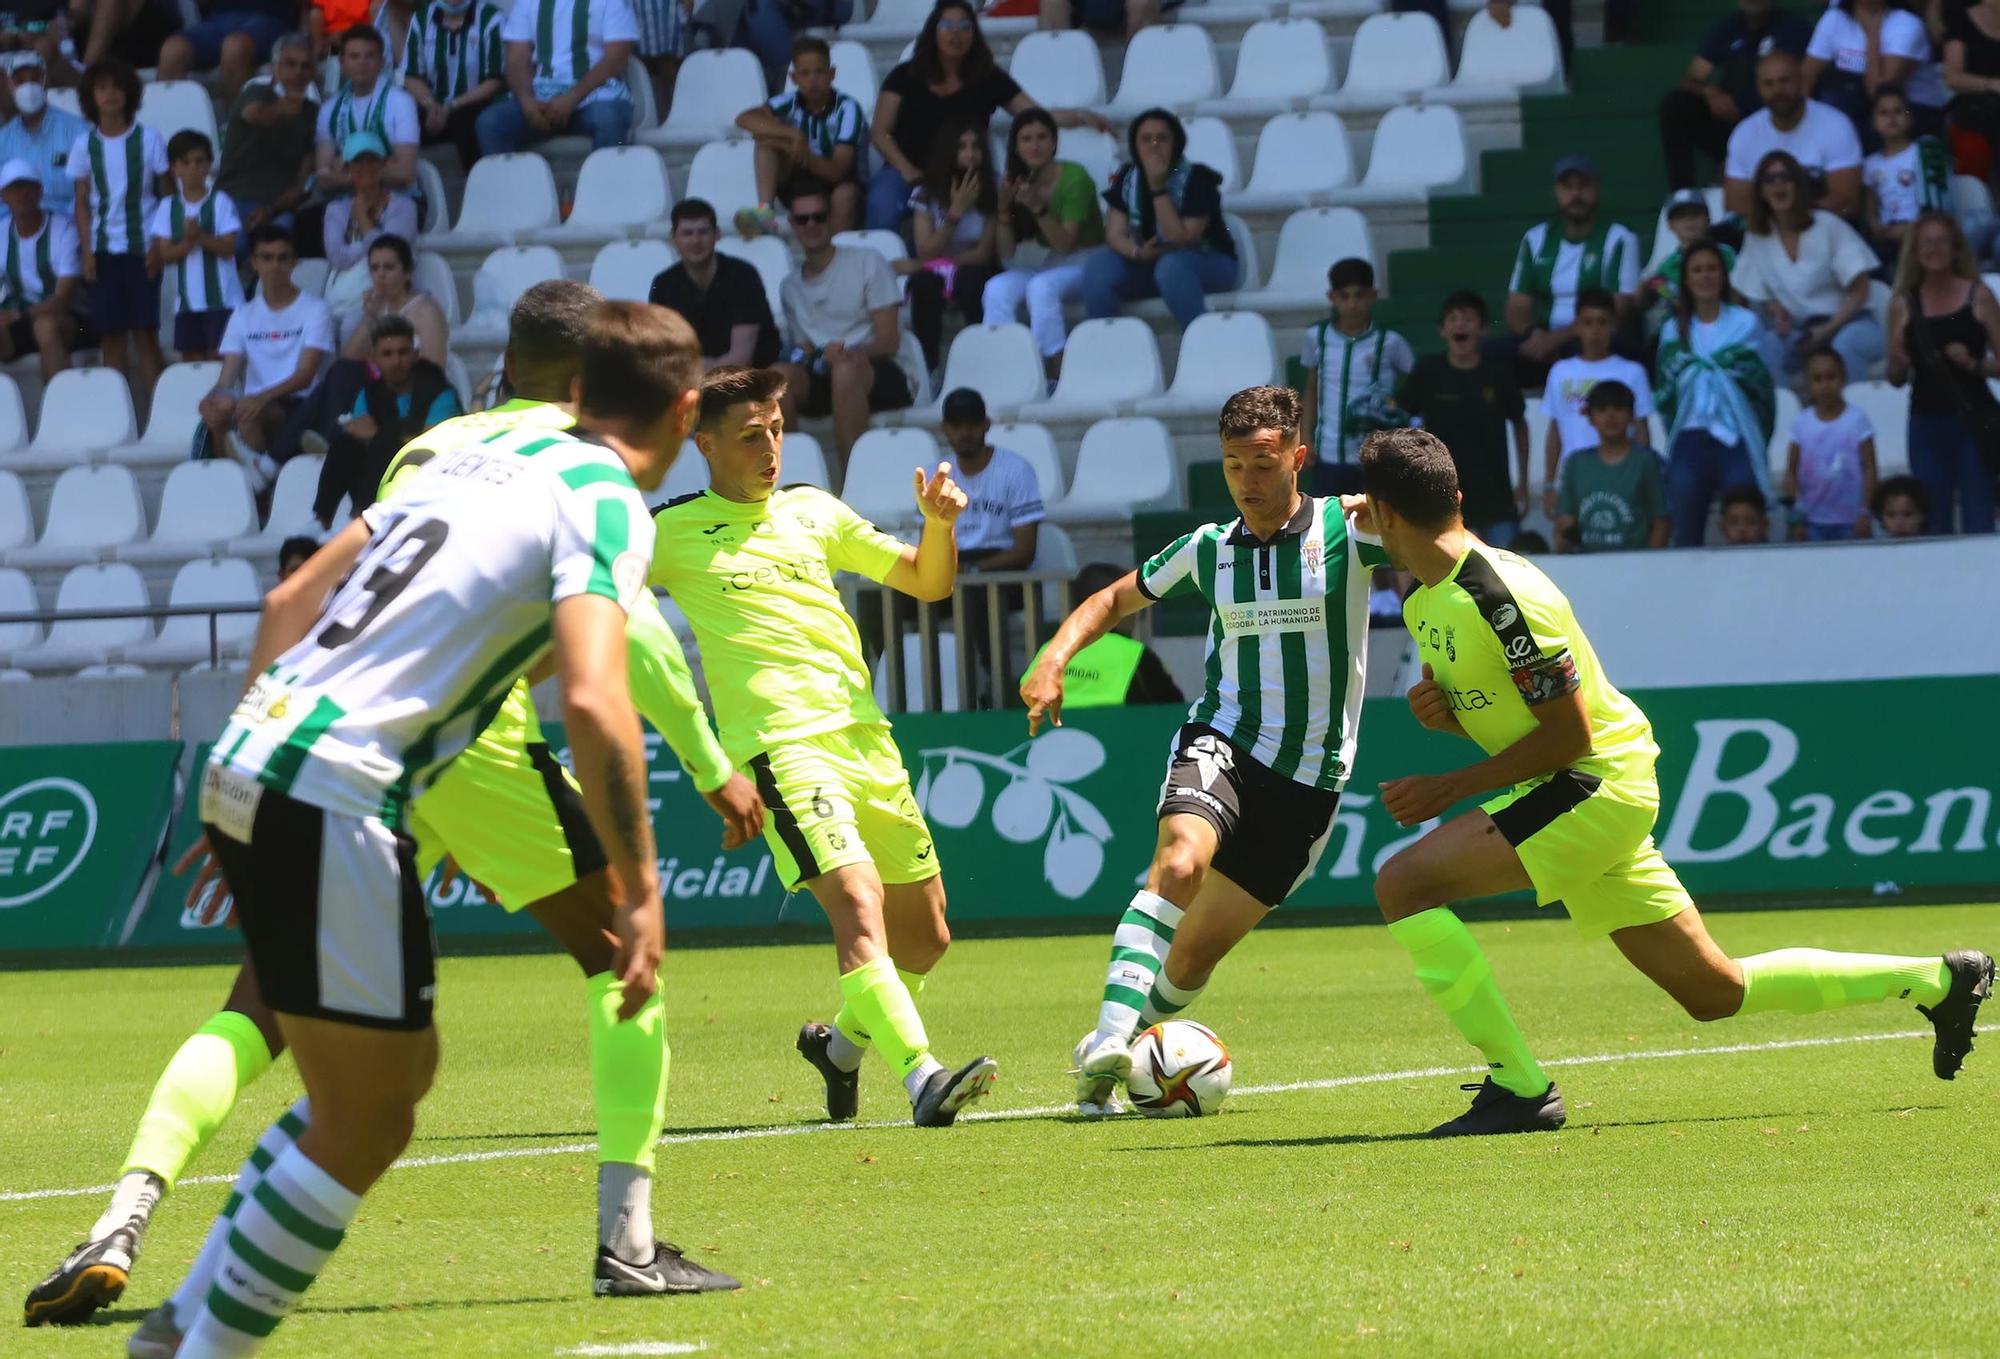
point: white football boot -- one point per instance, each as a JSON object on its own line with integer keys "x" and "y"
{"x": 1100, "y": 1066}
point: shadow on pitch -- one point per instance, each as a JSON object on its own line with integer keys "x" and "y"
{"x": 432, "y": 1305}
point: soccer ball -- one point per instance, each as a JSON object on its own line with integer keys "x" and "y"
{"x": 1180, "y": 1069}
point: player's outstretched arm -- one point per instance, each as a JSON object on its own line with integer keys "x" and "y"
{"x": 610, "y": 758}
{"x": 1561, "y": 737}
{"x": 293, "y": 604}
{"x": 1042, "y": 690}
{"x": 929, "y": 569}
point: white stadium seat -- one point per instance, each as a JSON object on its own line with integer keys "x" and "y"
{"x": 84, "y": 411}
{"x": 1059, "y": 70}
{"x": 460, "y": 380}
{"x": 183, "y": 640}
{"x": 639, "y": 81}
{"x": 804, "y": 462}
{"x": 175, "y": 416}
{"x": 1299, "y": 156}
{"x": 1122, "y": 465}
{"x": 91, "y": 641}
{"x": 291, "y": 509}
{"x": 878, "y": 473}
{"x": 17, "y": 520}
{"x": 310, "y": 276}
{"x": 434, "y": 276}
{"x": 502, "y": 278}
{"x": 506, "y": 197}
{"x": 1394, "y": 55}
{"x": 621, "y": 191}
{"x": 1222, "y": 353}
{"x": 770, "y": 257}
{"x": 436, "y": 207}
{"x": 1248, "y": 277}
{"x": 17, "y": 595}
{"x": 687, "y": 476}
{"x": 724, "y": 174}
{"x": 625, "y": 270}
{"x": 1888, "y": 410}
{"x": 1787, "y": 410}
{"x": 92, "y": 510}
{"x": 890, "y": 19}
{"x": 13, "y": 416}
{"x": 1416, "y": 150}
{"x": 1055, "y": 550}
{"x": 170, "y": 106}
{"x": 1310, "y": 241}
{"x": 1496, "y": 62}
{"x": 1336, "y": 9}
{"x": 888, "y": 244}
{"x": 1001, "y": 363}
{"x": 1211, "y": 143}
{"x": 712, "y": 88}
{"x": 1108, "y": 365}
{"x": 1168, "y": 65}
{"x": 203, "y": 506}
{"x": 1279, "y": 64}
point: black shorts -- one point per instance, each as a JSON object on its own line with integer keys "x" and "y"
{"x": 21, "y": 336}
{"x": 333, "y": 910}
{"x": 200, "y": 332}
{"x": 125, "y": 297}
{"x": 1269, "y": 830}
{"x": 891, "y": 391}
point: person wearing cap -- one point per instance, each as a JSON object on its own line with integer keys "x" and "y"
{"x": 1562, "y": 257}
{"x": 39, "y": 267}
{"x": 366, "y": 103}
{"x": 565, "y": 65}
{"x": 1818, "y": 136}
{"x": 355, "y": 220}
{"x": 267, "y": 141}
{"x": 1688, "y": 220}
{"x": 39, "y": 134}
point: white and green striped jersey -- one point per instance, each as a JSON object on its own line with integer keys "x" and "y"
{"x": 449, "y": 604}
{"x": 843, "y": 124}
{"x": 205, "y": 281}
{"x": 1288, "y": 643}
{"x": 32, "y": 266}
{"x": 567, "y": 37}
{"x": 122, "y": 172}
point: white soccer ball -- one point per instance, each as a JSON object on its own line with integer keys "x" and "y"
{"x": 1180, "y": 1069}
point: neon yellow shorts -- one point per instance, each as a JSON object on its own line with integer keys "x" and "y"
{"x": 508, "y": 812}
{"x": 841, "y": 798}
{"x": 1590, "y": 846}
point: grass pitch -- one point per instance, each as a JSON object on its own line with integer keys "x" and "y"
{"x": 1824, "y": 1196}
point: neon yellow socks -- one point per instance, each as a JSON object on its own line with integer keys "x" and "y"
{"x": 195, "y": 1093}
{"x": 1805, "y": 981}
{"x": 850, "y": 1040}
{"x": 628, "y": 1073}
{"x": 1455, "y": 972}
{"x": 881, "y": 1010}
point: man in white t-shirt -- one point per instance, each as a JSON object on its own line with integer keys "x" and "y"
{"x": 999, "y": 528}
{"x": 40, "y": 262}
{"x": 367, "y": 102}
{"x": 1569, "y": 384}
{"x": 1559, "y": 259}
{"x": 1818, "y": 135}
{"x": 555, "y": 86}
{"x": 275, "y": 351}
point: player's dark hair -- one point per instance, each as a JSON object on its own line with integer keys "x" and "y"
{"x": 736, "y": 385}
{"x": 1744, "y": 493}
{"x": 545, "y": 337}
{"x": 391, "y": 327}
{"x": 271, "y": 233}
{"x": 1597, "y": 299}
{"x": 1350, "y": 273}
{"x": 360, "y": 33}
{"x": 1891, "y": 488}
{"x": 1256, "y": 408}
{"x": 1610, "y": 395}
{"x": 638, "y": 361}
{"x": 398, "y": 247}
{"x": 186, "y": 142}
{"x": 1464, "y": 300}
{"x": 1411, "y": 471}
{"x": 692, "y": 209}
{"x": 806, "y": 45}
{"x": 119, "y": 73}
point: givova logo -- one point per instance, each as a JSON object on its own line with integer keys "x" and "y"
{"x": 46, "y": 829}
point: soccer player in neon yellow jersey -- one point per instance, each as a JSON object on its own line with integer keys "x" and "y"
{"x": 1506, "y": 666}
{"x": 751, "y": 564}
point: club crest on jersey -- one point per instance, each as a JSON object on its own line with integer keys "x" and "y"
{"x": 628, "y": 574}
{"x": 1212, "y": 756}
{"x": 1313, "y": 553}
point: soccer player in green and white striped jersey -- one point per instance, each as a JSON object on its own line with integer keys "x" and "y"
{"x": 1255, "y": 775}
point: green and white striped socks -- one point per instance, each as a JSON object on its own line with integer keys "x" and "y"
{"x": 1138, "y": 951}
{"x": 1166, "y": 1000}
{"x": 188, "y": 1299}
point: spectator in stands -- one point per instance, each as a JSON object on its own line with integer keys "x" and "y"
{"x": 951, "y": 77}
{"x": 1353, "y": 368}
{"x": 1046, "y": 218}
{"x": 326, "y": 20}
{"x": 1905, "y": 177}
{"x": 1720, "y": 86}
{"x": 1808, "y": 272}
{"x": 42, "y": 263}
{"x": 394, "y": 19}
{"x": 1103, "y": 16}
{"x": 1613, "y": 497}
{"x": 193, "y": 233}
{"x": 233, "y": 38}
{"x": 131, "y": 31}
{"x": 1116, "y": 670}
{"x": 1163, "y": 228}
{"x": 293, "y": 553}
{"x": 1688, "y": 220}
{"x": 1469, "y": 399}
{"x": 1746, "y": 516}
{"x": 1566, "y": 395}
{"x": 118, "y": 167}
{"x": 39, "y": 134}
{"x": 404, "y": 396}
{"x": 556, "y": 84}
{"x": 1944, "y": 340}
{"x": 1715, "y": 393}
{"x": 267, "y": 142}
{"x": 392, "y": 291}
{"x": 368, "y": 102}
{"x": 1860, "y": 46}
{"x": 1829, "y": 459}
{"x": 454, "y": 67}
{"x": 953, "y": 220}
{"x": 812, "y": 130}
{"x": 999, "y": 528}
{"x": 1901, "y": 506}
{"x": 1818, "y": 137}
{"x": 1559, "y": 259}
{"x": 1972, "y": 70}
{"x": 721, "y": 296}
{"x": 355, "y": 221}
{"x": 841, "y": 309}
{"x": 273, "y": 355}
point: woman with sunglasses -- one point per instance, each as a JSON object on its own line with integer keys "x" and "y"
{"x": 951, "y": 78}
{"x": 1163, "y": 224}
{"x": 1807, "y": 272}
{"x": 1048, "y": 219}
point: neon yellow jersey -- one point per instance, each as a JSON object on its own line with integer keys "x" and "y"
{"x": 1499, "y": 638}
{"x": 515, "y": 414}
{"x": 756, "y": 581}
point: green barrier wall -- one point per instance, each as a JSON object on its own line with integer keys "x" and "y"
{"x": 1781, "y": 791}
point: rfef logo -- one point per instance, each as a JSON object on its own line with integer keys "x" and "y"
{"x": 46, "y": 829}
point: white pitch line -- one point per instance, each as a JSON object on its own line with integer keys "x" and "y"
{"x": 638, "y": 1347}
{"x": 460, "y": 1158}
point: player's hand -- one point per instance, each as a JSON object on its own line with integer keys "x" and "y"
{"x": 741, "y": 810}
{"x": 1419, "y": 797}
{"x": 1362, "y": 512}
{"x": 208, "y": 895}
{"x": 1431, "y": 705}
{"x": 938, "y": 495}
{"x": 449, "y": 872}
{"x": 640, "y": 929}
{"x": 1042, "y": 691}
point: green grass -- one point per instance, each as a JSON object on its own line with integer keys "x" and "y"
{"x": 1825, "y": 1200}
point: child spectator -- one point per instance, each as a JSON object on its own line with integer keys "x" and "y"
{"x": 1688, "y": 219}
{"x": 194, "y": 232}
{"x": 1572, "y": 380}
{"x": 1352, "y": 372}
{"x": 117, "y": 167}
{"x": 1905, "y": 178}
{"x": 1469, "y": 399}
{"x": 813, "y": 130}
{"x": 1830, "y": 460}
{"x": 1746, "y": 516}
{"x": 954, "y": 218}
{"x": 1614, "y": 495}
{"x": 38, "y": 287}
{"x": 1900, "y": 505}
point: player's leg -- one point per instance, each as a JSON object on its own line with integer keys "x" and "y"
{"x": 1220, "y": 917}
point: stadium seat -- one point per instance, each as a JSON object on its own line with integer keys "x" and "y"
{"x": 507, "y": 198}
{"x": 1394, "y": 55}
{"x": 502, "y": 278}
{"x": 1787, "y": 409}
{"x": 435, "y": 205}
{"x": 890, "y": 20}
{"x": 724, "y": 174}
{"x": 1060, "y": 70}
{"x": 913, "y": 677}
{"x": 460, "y": 380}
{"x": 1308, "y": 243}
{"x": 773, "y": 261}
{"x": 805, "y": 462}
{"x": 1001, "y": 363}
{"x": 203, "y": 506}
{"x": 310, "y": 276}
{"x": 712, "y": 88}
{"x": 1122, "y": 465}
{"x": 1299, "y": 156}
{"x": 878, "y": 473}
{"x": 1168, "y": 65}
{"x": 111, "y": 670}
{"x": 175, "y": 417}
{"x": 291, "y": 509}
{"x": 1499, "y": 63}
{"x": 1211, "y": 143}
{"x": 1248, "y": 277}
{"x": 17, "y": 595}
{"x": 1055, "y": 550}
{"x": 92, "y": 641}
{"x": 92, "y": 511}
{"x": 84, "y": 411}
{"x": 170, "y": 106}
{"x": 183, "y": 640}
{"x": 687, "y": 476}
{"x": 1034, "y": 443}
{"x": 1888, "y": 410}
{"x": 621, "y": 191}
{"x": 434, "y": 276}
{"x": 1335, "y": 9}
{"x": 1097, "y": 152}
{"x": 645, "y": 109}
{"x": 13, "y": 418}
{"x": 888, "y": 244}
{"x": 17, "y": 519}
{"x": 1108, "y": 365}
{"x": 1222, "y": 353}
{"x": 1416, "y": 150}
{"x": 1280, "y": 63}
{"x": 625, "y": 270}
